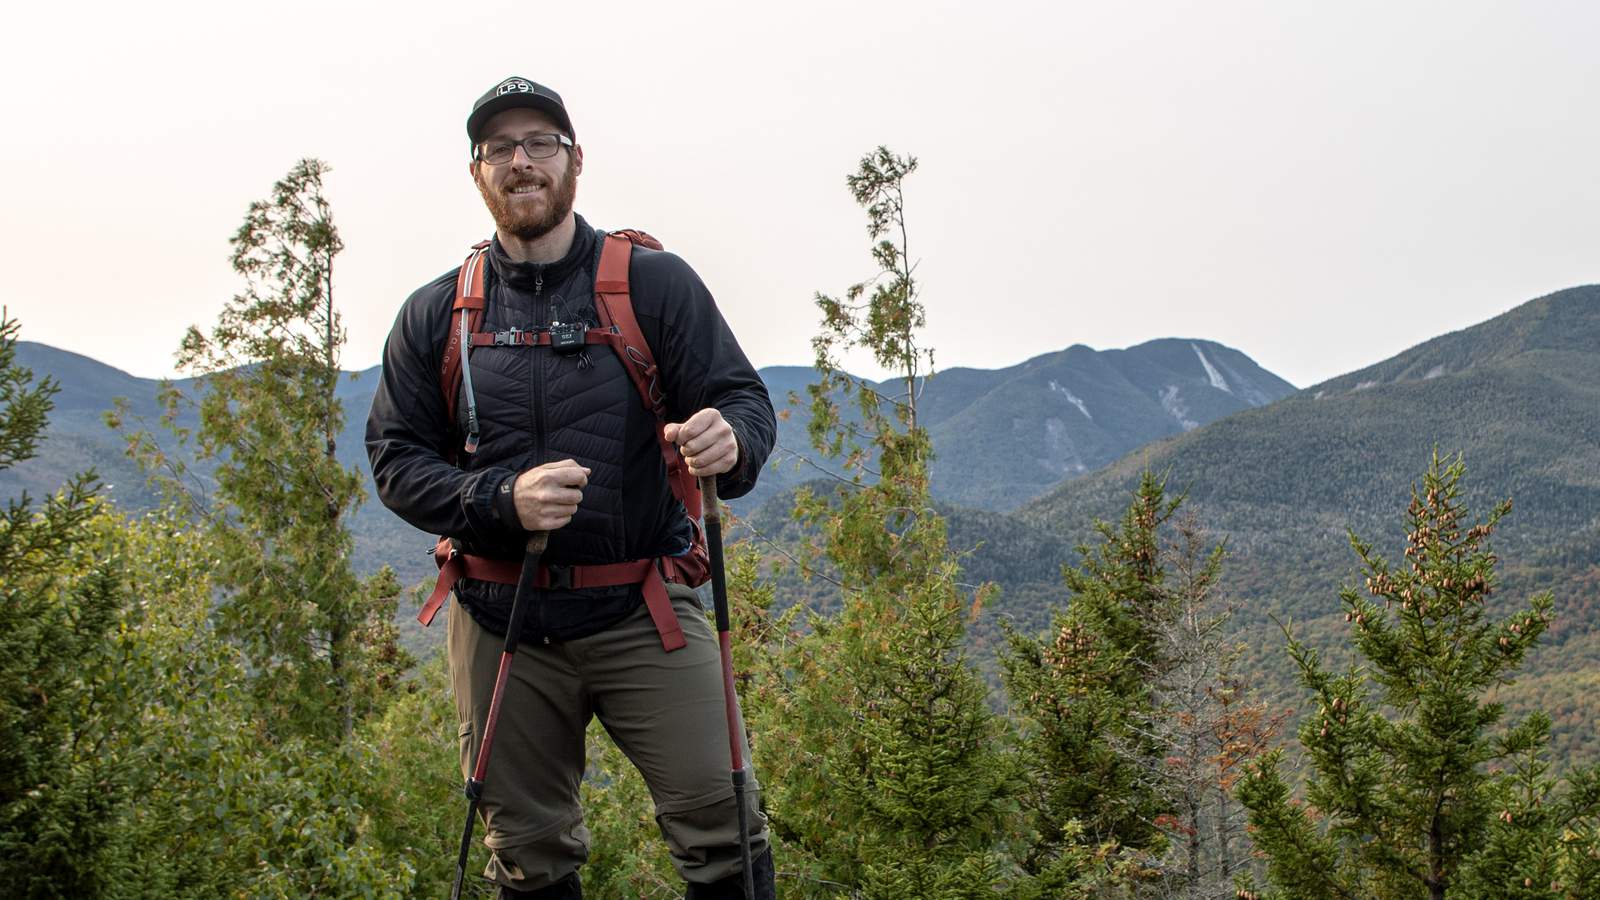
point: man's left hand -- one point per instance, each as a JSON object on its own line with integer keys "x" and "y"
{"x": 707, "y": 443}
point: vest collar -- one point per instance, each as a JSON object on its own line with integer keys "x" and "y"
{"x": 524, "y": 275}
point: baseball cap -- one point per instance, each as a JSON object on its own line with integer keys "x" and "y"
{"x": 512, "y": 93}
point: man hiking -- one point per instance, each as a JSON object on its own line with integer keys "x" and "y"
{"x": 565, "y": 381}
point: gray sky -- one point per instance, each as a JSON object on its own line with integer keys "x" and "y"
{"x": 1319, "y": 185}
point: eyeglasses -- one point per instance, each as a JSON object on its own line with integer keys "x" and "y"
{"x": 537, "y": 146}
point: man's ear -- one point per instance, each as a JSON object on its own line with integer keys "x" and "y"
{"x": 577, "y": 159}
{"x": 472, "y": 169}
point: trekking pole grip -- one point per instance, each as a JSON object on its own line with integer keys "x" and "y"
{"x": 537, "y": 540}
{"x": 708, "y": 492}
{"x": 719, "y": 578}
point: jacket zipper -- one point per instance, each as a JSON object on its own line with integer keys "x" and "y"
{"x": 536, "y": 384}
{"x": 536, "y": 372}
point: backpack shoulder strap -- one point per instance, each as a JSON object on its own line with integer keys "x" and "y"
{"x": 613, "y": 302}
{"x": 614, "y": 306}
{"x": 466, "y": 314}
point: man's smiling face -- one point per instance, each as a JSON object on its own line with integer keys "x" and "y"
{"x": 527, "y": 197}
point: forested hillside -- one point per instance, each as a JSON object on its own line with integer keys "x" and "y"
{"x": 1517, "y": 396}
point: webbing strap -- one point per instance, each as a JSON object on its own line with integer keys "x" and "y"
{"x": 647, "y": 573}
{"x": 466, "y": 312}
{"x": 537, "y": 338}
{"x": 614, "y": 306}
{"x": 659, "y": 604}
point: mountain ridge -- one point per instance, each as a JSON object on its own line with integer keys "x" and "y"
{"x": 1287, "y": 483}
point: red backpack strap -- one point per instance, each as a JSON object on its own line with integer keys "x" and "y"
{"x": 614, "y": 305}
{"x": 642, "y": 238}
{"x": 466, "y": 314}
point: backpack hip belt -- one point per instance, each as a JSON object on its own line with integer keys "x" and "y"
{"x": 619, "y": 329}
{"x": 651, "y": 575}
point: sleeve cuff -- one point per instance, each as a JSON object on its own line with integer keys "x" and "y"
{"x": 736, "y": 481}
{"x": 484, "y": 502}
{"x": 505, "y": 502}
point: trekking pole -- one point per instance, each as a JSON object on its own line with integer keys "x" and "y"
{"x": 730, "y": 697}
{"x": 519, "y": 607}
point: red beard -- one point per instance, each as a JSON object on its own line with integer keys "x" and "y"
{"x": 530, "y": 221}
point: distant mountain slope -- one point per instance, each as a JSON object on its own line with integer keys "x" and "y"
{"x": 1069, "y": 413}
{"x": 1519, "y": 395}
{"x": 1002, "y": 436}
{"x": 77, "y": 439}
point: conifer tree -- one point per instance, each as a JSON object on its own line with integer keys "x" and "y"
{"x": 1131, "y": 713}
{"x": 1205, "y": 722}
{"x": 883, "y": 764}
{"x": 56, "y": 804}
{"x": 1414, "y": 789}
{"x": 130, "y": 764}
{"x": 320, "y": 640}
{"x": 217, "y": 805}
{"x": 1085, "y": 692}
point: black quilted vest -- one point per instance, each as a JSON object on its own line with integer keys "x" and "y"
{"x": 537, "y": 406}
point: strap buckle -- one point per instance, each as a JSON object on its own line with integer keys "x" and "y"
{"x": 558, "y": 577}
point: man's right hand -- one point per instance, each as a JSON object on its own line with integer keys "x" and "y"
{"x": 546, "y": 496}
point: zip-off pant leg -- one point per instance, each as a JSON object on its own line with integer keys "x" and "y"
{"x": 530, "y": 799}
{"x": 664, "y": 710}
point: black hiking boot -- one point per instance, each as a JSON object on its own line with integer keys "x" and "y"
{"x": 568, "y": 888}
{"x": 732, "y": 887}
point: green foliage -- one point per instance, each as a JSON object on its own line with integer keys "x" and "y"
{"x": 411, "y": 781}
{"x": 148, "y": 751}
{"x": 1412, "y": 790}
{"x": 56, "y": 792}
{"x": 321, "y": 648}
{"x": 876, "y": 708}
{"x": 1543, "y": 842}
{"x": 221, "y": 805}
{"x": 1132, "y": 712}
{"x": 152, "y": 774}
{"x": 628, "y": 858}
{"x": 1085, "y": 691}
{"x": 24, "y": 406}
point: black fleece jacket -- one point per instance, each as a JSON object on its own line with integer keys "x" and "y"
{"x": 535, "y": 406}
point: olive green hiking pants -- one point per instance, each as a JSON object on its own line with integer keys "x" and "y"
{"x": 664, "y": 710}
